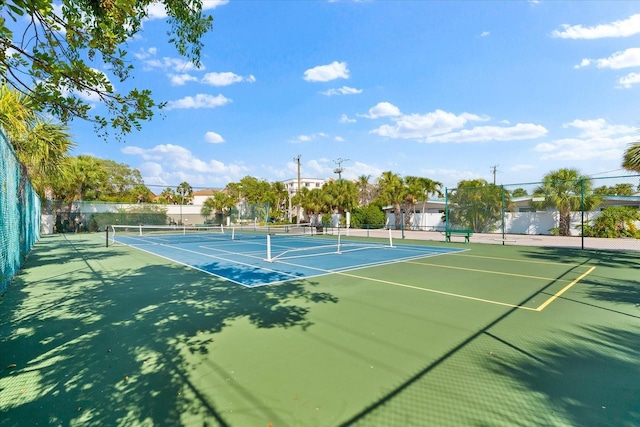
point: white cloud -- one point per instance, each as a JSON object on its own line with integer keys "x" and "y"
{"x": 492, "y": 133}
{"x": 624, "y": 28}
{"x": 225, "y": 79}
{"x": 181, "y": 79}
{"x": 177, "y": 65}
{"x": 214, "y": 138}
{"x": 598, "y": 128}
{"x": 345, "y": 119}
{"x": 629, "y": 80}
{"x": 421, "y": 126}
{"x": 170, "y": 164}
{"x": 145, "y": 54}
{"x": 596, "y": 139}
{"x": 325, "y": 73}
{"x": 625, "y": 59}
{"x": 344, "y": 90}
{"x": 382, "y": 109}
{"x": 338, "y": 139}
{"x": 520, "y": 168}
{"x": 156, "y": 10}
{"x": 201, "y": 100}
{"x": 309, "y": 138}
{"x": 484, "y": 34}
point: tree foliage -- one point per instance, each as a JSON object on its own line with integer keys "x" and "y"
{"x": 631, "y": 160}
{"x": 477, "y": 205}
{"x": 87, "y": 178}
{"x": 391, "y": 191}
{"x": 49, "y": 50}
{"x": 566, "y": 190}
{"x": 614, "y": 222}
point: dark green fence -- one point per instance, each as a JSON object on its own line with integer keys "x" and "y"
{"x": 19, "y": 214}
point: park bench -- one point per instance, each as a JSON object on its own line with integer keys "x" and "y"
{"x": 462, "y": 232}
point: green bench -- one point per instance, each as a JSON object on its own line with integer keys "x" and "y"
{"x": 462, "y": 232}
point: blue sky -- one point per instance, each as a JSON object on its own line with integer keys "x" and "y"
{"x": 444, "y": 90}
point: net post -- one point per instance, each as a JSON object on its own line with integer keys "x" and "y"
{"x": 221, "y": 228}
{"x": 390, "y": 239}
{"x": 269, "y": 248}
{"x": 233, "y": 233}
{"x": 339, "y": 235}
{"x": 106, "y": 238}
{"x": 140, "y": 229}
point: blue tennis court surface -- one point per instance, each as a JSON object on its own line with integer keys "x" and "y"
{"x": 262, "y": 261}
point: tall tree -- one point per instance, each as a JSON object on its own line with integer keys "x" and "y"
{"x": 82, "y": 179}
{"x": 631, "y": 159}
{"x": 53, "y": 56}
{"x": 184, "y": 191}
{"x": 392, "y": 191}
{"x": 365, "y": 190}
{"x": 566, "y": 190}
{"x": 340, "y": 195}
{"x": 220, "y": 202}
{"x": 419, "y": 189}
{"x": 281, "y": 196}
{"x": 477, "y": 205}
{"x": 41, "y": 146}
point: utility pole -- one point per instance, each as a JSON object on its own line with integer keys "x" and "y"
{"x": 339, "y": 169}
{"x": 494, "y": 170}
{"x": 297, "y": 159}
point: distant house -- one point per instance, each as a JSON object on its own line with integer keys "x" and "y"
{"x": 200, "y": 196}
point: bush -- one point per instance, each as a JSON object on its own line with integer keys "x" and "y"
{"x": 370, "y": 216}
{"x": 615, "y": 222}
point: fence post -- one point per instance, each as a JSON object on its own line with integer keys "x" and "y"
{"x": 582, "y": 212}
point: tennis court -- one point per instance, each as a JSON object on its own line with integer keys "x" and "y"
{"x": 441, "y": 334}
{"x": 256, "y": 256}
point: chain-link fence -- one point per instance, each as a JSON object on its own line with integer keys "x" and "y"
{"x": 75, "y": 216}
{"x": 19, "y": 214}
{"x": 603, "y": 213}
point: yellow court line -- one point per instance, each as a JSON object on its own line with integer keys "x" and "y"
{"x": 510, "y": 259}
{"x": 475, "y": 270}
{"x": 402, "y": 285}
{"x": 563, "y": 290}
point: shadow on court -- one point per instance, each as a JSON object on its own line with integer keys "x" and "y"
{"x": 120, "y": 337}
{"x": 575, "y": 365}
{"x": 91, "y": 337}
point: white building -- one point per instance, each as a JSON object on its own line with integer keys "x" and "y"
{"x": 291, "y": 185}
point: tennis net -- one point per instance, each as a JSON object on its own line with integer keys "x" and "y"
{"x": 180, "y": 234}
{"x": 333, "y": 241}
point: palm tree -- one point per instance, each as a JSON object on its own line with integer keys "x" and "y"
{"x": 185, "y": 191}
{"x": 632, "y": 158}
{"x": 477, "y": 205}
{"x": 281, "y": 195}
{"x": 16, "y": 114}
{"x": 364, "y": 190}
{"x": 419, "y": 188}
{"x": 391, "y": 191}
{"x": 219, "y": 203}
{"x": 567, "y": 190}
{"x": 42, "y": 150}
{"x": 340, "y": 195}
{"x": 41, "y": 146}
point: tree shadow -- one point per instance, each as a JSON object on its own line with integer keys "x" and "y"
{"x": 591, "y": 377}
{"x": 594, "y": 257}
{"x": 98, "y": 340}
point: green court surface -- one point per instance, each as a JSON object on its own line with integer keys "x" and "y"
{"x": 491, "y": 336}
